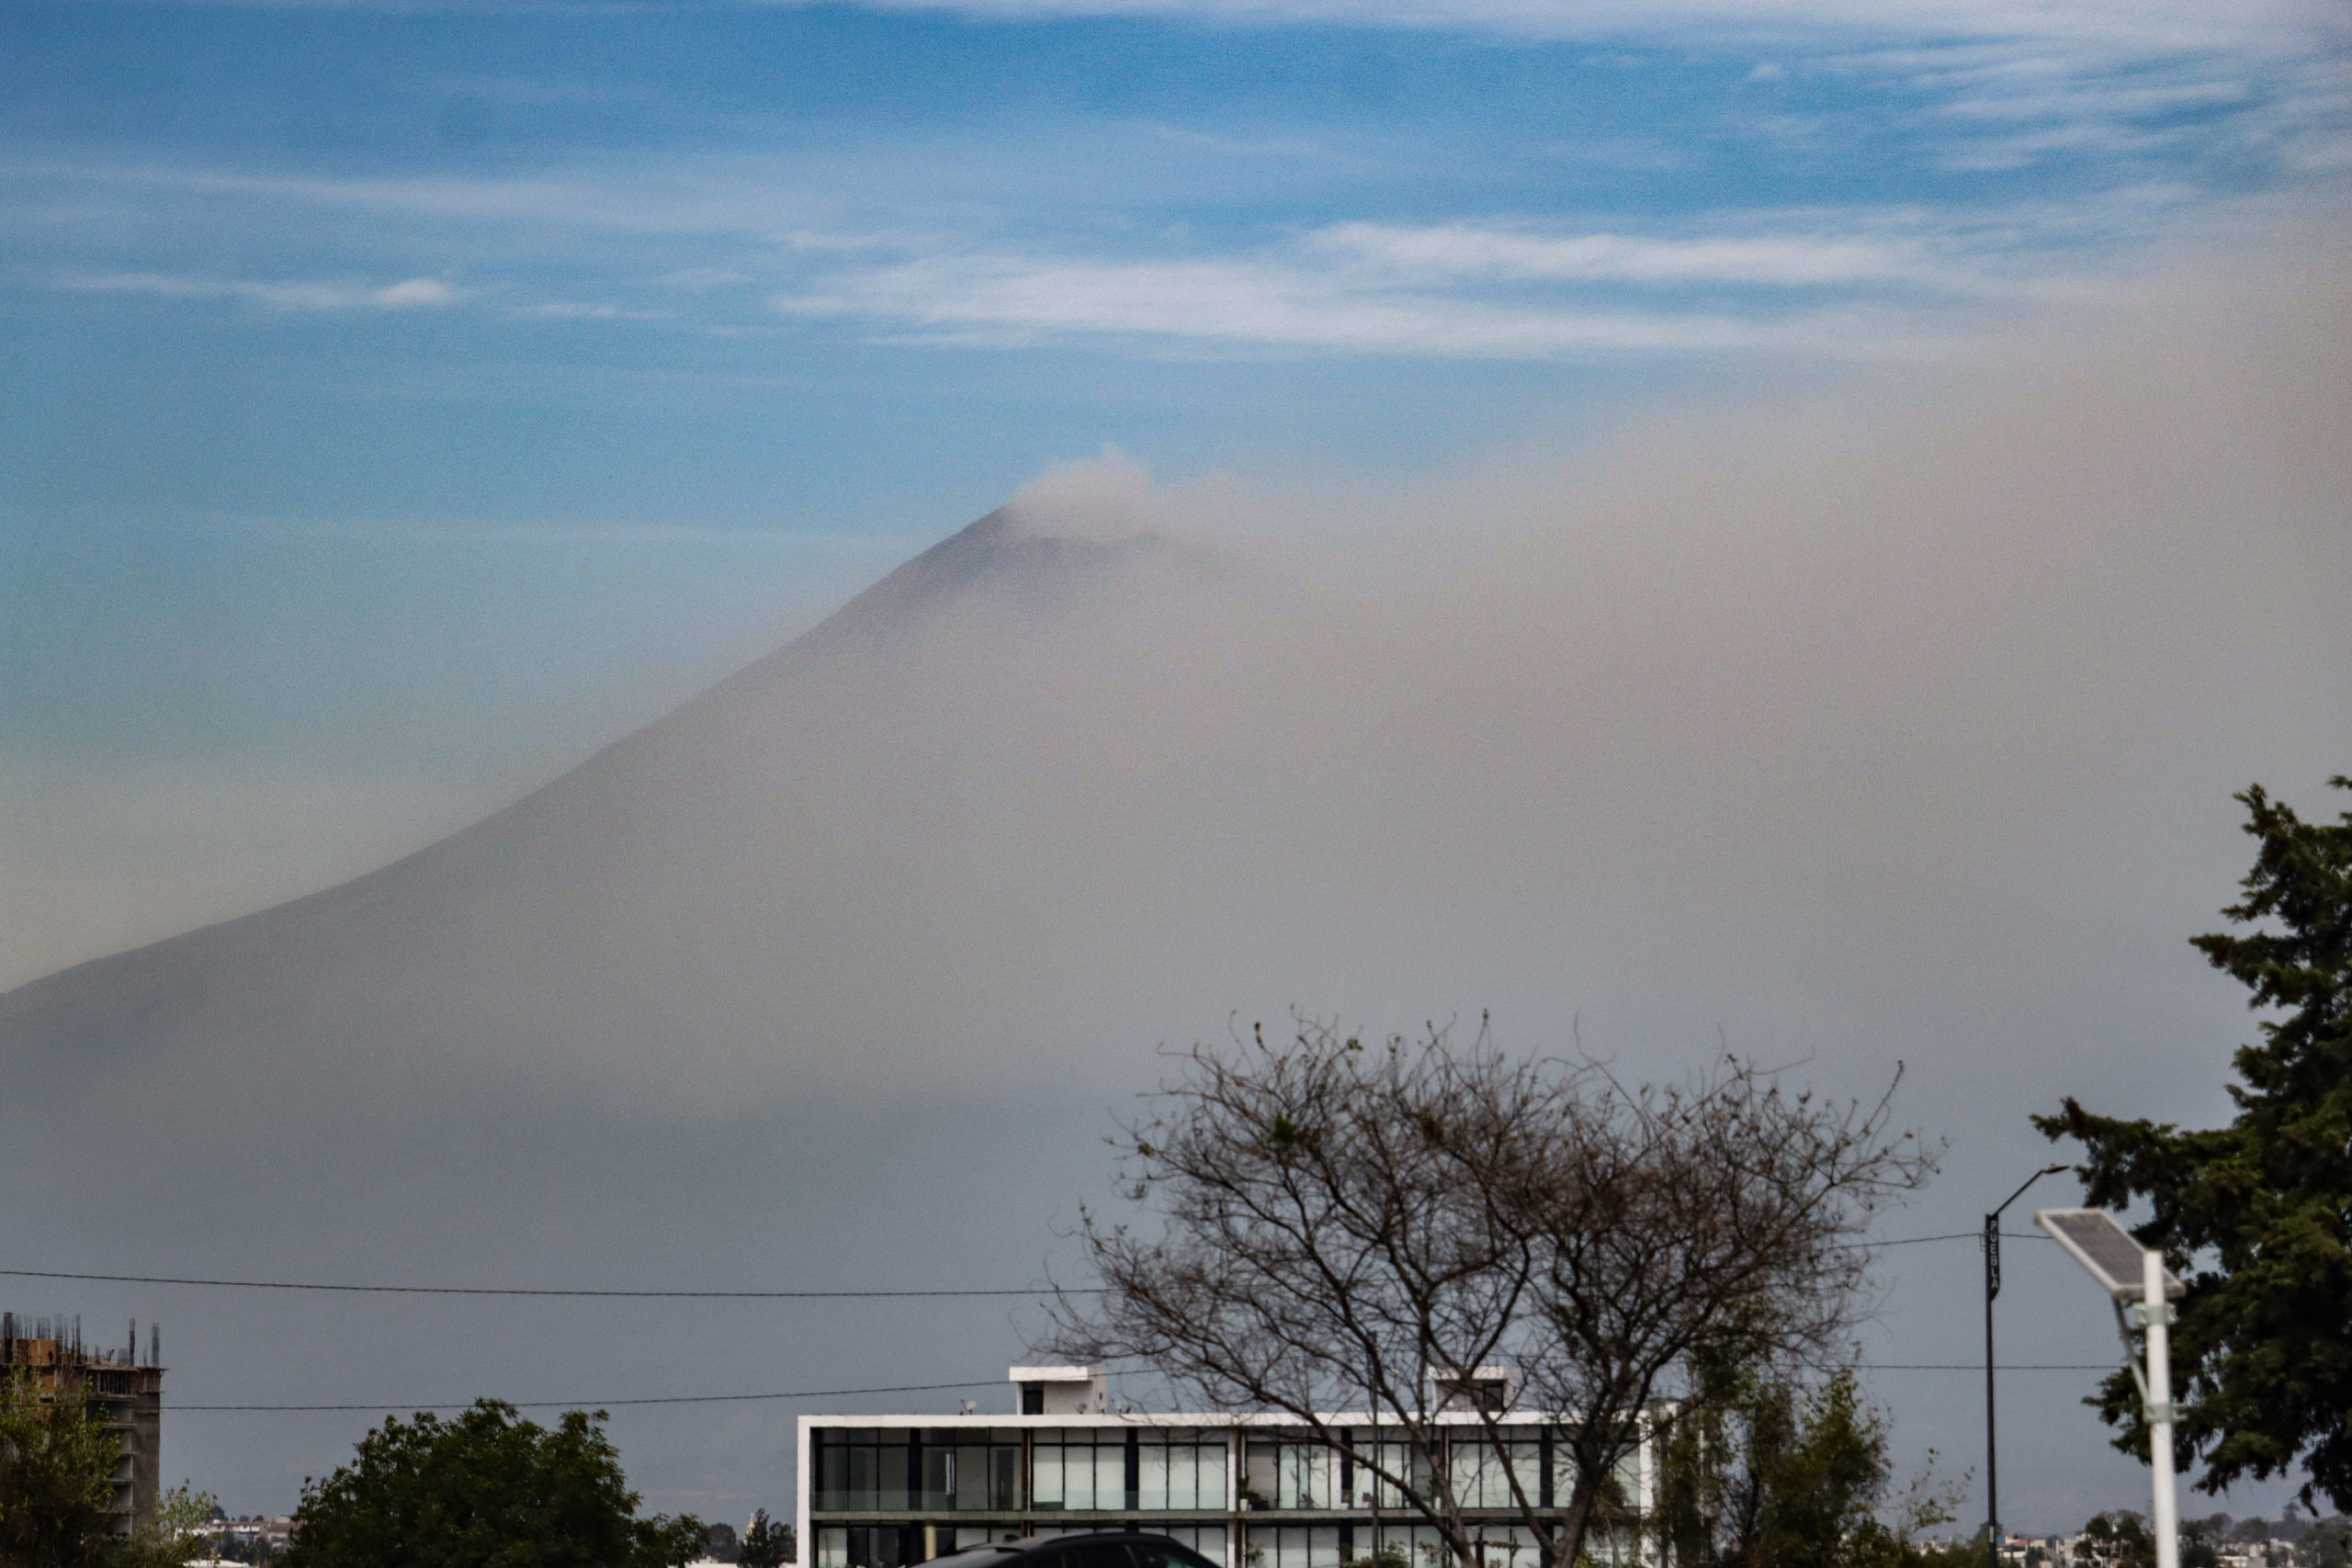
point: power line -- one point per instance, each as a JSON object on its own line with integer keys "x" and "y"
{"x": 939, "y": 1387}
{"x": 1950, "y": 1235}
{"x": 348, "y": 1289}
{"x": 516, "y": 1291}
{"x": 1979, "y": 1366}
{"x": 604, "y": 1404}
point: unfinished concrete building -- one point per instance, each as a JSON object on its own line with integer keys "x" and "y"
{"x": 124, "y": 1391}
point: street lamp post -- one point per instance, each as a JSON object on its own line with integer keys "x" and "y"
{"x": 2135, "y": 1274}
{"x": 1992, "y": 1289}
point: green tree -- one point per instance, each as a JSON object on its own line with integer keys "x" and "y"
{"x": 2119, "y": 1539}
{"x": 182, "y": 1515}
{"x": 766, "y": 1544}
{"x": 57, "y": 1464}
{"x": 56, "y": 1480}
{"x": 1758, "y": 1476}
{"x": 485, "y": 1490}
{"x": 2327, "y": 1544}
{"x": 2262, "y": 1349}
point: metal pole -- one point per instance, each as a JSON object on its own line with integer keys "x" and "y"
{"x": 1993, "y": 1289}
{"x": 1992, "y": 1454}
{"x": 2159, "y": 1358}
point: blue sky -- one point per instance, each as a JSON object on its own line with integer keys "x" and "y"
{"x": 436, "y": 388}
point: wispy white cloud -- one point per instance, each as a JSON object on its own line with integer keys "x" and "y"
{"x": 587, "y": 310}
{"x": 706, "y": 243}
{"x": 2046, "y": 97}
{"x": 1839, "y": 280}
{"x": 1466, "y": 251}
{"x": 1846, "y": 283}
{"x": 409, "y": 294}
{"x": 744, "y": 197}
{"x": 1274, "y": 304}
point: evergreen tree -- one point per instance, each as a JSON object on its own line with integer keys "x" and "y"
{"x": 766, "y": 1544}
{"x": 2257, "y": 1215}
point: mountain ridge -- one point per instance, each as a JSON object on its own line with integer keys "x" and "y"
{"x": 995, "y": 555}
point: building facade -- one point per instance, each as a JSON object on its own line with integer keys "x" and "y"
{"x": 124, "y": 1391}
{"x": 1250, "y": 1491}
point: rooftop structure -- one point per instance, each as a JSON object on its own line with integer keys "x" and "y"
{"x": 124, "y": 1391}
{"x": 1245, "y": 1491}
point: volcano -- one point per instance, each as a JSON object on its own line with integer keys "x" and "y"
{"x": 1915, "y": 745}
{"x": 677, "y": 913}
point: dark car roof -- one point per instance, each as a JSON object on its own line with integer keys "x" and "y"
{"x": 1005, "y": 1553}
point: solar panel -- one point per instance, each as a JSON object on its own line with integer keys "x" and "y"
{"x": 2102, "y": 1245}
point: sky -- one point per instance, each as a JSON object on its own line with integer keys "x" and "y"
{"x": 404, "y": 400}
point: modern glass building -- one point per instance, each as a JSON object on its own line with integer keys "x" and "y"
{"x": 1244, "y": 1491}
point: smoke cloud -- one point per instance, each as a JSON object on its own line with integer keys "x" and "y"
{"x": 1889, "y": 721}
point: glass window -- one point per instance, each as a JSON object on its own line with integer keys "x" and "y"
{"x": 854, "y": 1472}
{"x": 850, "y": 1476}
{"x": 1421, "y": 1544}
{"x": 1613, "y": 1550}
{"x": 1499, "y": 1546}
{"x": 882, "y": 1546}
{"x": 1507, "y": 1546}
{"x": 970, "y": 1537}
{"x": 1291, "y": 1546}
{"x": 1628, "y": 1477}
{"x": 1482, "y": 1470}
{"x": 986, "y": 1476}
{"x": 1080, "y": 1469}
{"x": 1172, "y": 1472}
{"x": 857, "y": 1472}
{"x": 1290, "y": 1474}
{"x": 1366, "y": 1487}
{"x": 1151, "y": 1476}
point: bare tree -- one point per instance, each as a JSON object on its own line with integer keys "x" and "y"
{"x": 1344, "y": 1228}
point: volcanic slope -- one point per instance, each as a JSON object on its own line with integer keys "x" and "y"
{"x": 744, "y": 885}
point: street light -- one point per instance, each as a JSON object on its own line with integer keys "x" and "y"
{"x": 1992, "y": 1289}
{"x": 2130, "y": 1272}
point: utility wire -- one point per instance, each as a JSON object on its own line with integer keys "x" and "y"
{"x": 1979, "y": 1366}
{"x": 514, "y": 1290}
{"x": 1031, "y": 1292}
{"x": 989, "y": 1383}
{"x": 342, "y": 1287}
{"x": 1948, "y": 1235}
{"x": 603, "y": 1403}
